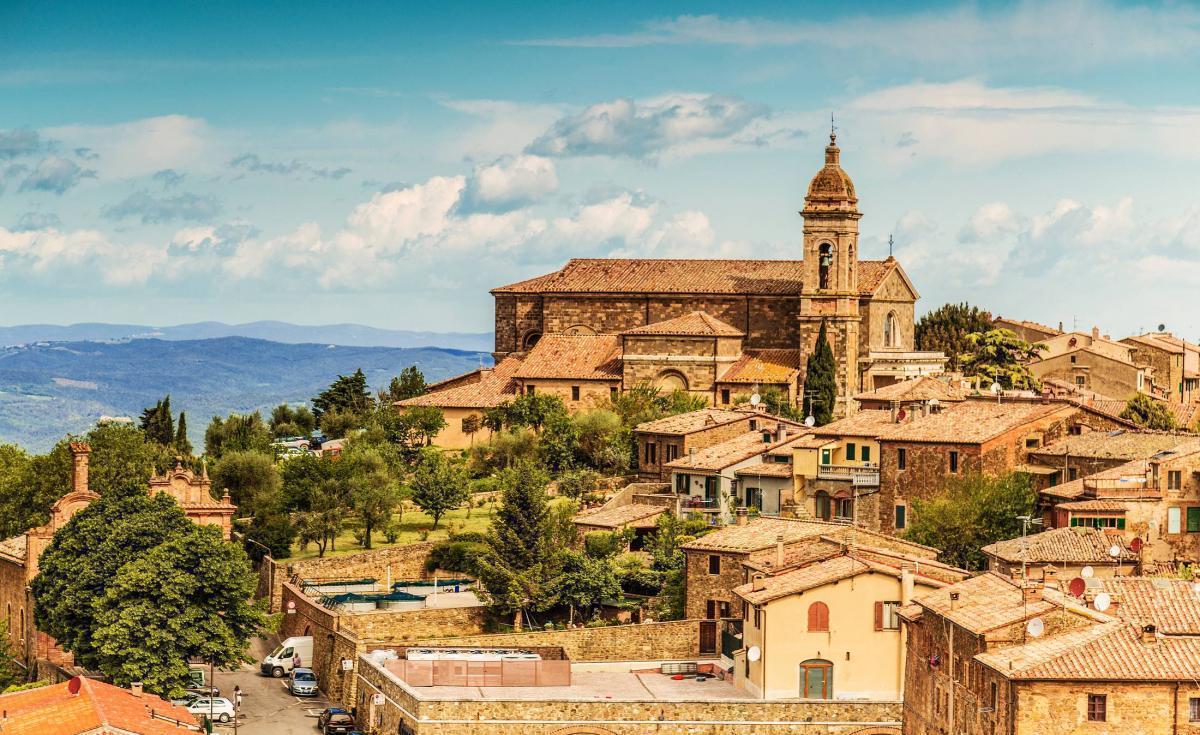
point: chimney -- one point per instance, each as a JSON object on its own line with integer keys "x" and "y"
{"x": 908, "y": 583}
{"x": 758, "y": 583}
{"x": 783, "y": 431}
{"x": 1095, "y": 332}
{"x": 1149, "y": 634}
{"x": 1032, "y": 592}
{"x": 1050, "y": 577}
{"x": 1060, "y": 326}
{"x": 135, "y": 688}
{"x": 779, "y": 551}
{"x": 79, "y": 466}
{"x": 741, "y": 516}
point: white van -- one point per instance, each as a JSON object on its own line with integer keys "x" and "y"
{"x": 284, "y": 658}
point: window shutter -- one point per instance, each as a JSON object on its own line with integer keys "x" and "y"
{"x": 878, "y": 616}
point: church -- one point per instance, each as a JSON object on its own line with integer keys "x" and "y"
{"x": 715, "y": 328}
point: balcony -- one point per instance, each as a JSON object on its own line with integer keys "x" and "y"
{"x": 697, "y": 504}
{"x": 857, "y": 476}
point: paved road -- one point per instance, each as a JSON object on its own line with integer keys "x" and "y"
{"x": 267, "y": 708}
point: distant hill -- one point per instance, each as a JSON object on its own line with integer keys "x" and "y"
{"x": 50, "y": 389}
{"x": 355, "y": 335}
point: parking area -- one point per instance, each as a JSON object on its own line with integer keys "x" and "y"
{"x": 267, "y": 708}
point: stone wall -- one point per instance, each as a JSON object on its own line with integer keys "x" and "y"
{"x": 671, "y": 640}
{"x": 608, "y": 717}
{"x": 701, "y": 587}
{"x": 402, "y": 627}
{"x": 404, "y": 562}
{"x": 592, "y": 393}
{"x": 1054, "y": 708}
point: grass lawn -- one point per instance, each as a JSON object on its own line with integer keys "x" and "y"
{"x": 411, "y": 527}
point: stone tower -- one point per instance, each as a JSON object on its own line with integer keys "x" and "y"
{"x": 831, "y": 291}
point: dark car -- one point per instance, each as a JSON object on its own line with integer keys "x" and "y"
{"x": 328, "y": 712}
{"x": 339, "y": 723}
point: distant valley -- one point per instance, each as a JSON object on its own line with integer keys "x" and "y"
{"x": 50, "y": 388}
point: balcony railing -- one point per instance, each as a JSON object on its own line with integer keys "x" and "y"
{"x": 700, "y": 505}
{"x": 857, "y": 476}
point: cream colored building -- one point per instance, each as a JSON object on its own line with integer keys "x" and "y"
{"x": 830, "y": 630}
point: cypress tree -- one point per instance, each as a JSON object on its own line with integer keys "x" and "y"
{"x": 820, "y": 380}
{"x": 182, "y": 445}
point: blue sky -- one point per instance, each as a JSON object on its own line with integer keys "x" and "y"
{"x": 388, "y": 163}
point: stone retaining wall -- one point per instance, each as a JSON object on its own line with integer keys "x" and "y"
{"x": 676, "y": 639}
{"x": 402, "y": 562}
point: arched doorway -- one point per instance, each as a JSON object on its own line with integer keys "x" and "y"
{"x": 816, "y": 679}
{"x": 822, "y": 505}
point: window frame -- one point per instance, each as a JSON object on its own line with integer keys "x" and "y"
{"x": 953, "y": 461}
{"x": 851, "y": 452}
{"x": 1174, "y": 519}
{"x": 714, "y": 563}
{"x": 817, "y": 617}
{"x": 1097, "y": 708}
{"x": 574, "y": 393}
{"x": 901, "y": 458}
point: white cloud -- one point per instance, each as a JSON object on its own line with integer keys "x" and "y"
{"x": 498, "y": 127}
{"x": 142, "y": 147}
{"x": 648, "y": 129}
{"x": 1065, "y": 32}
{"x": 510, "y": 182}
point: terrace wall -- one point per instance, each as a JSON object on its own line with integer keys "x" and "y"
{"x": 676, "y": 639}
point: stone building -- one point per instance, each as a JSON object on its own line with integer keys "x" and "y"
{"x": 1175, "y": 363}
{"x": 194, "y": 494}
{"x": 1066, "y": 551}
{"x": 1079, "y": 455}
{"x": 710, "y": 312}
{"x": 994, "y": 655}
{"x": 667, "y": 439}
{"x": 1031, "y": 332}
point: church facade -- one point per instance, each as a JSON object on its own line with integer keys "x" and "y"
{"x": 776, "y": 305}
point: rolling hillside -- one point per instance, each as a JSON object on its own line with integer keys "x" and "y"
{"x": 50, "y": 389}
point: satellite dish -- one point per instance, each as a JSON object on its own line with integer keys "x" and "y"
{"x": 755, "y": 399}
{"x": 1035, "y": 628}
{"x": 996, "y": 387}
{"x": 1162, "y": 327}
{"x": 754, "y": 653}
{"x": 1103, "y": 601}
{"x": 1087, "y": 572}
{"x": 1114, "y": 551}
{"x": 1077, "y": 586}
{"x": 1196, "y": 587}
{"x": 810, "y": 421}
{"x": 1136, "y": 544}
{"x": 73, "y": 685}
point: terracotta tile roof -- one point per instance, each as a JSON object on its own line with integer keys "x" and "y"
{"x": 738, "y": 449}
{"x": 1172, "y": 605}
{"x": 985, "y": 603}
{"x": 635, "y": 515}
{"x": 97, "y": 708}
{"x": 1108, "y": 652}
{"x": 1098, "y": 505}
{"x": 493, "y": 387}
{"x": 765, "y": 367}
{"x": 1077, "y": 545}
{"x": 766, "y": 469}
{"x": 573, "y": 357}
{"x": 971, "y": 422}
{"x": 1072, "y": 489}
{"x": 652, "y": 276}
{"x": 817, "y": 574}
{"x": 795, "y": 555}
{"x": 761, "y": 533}
{"x": 923, "y": 388}
{"x": 693, "y": 421}
{"x": 1121, "y": 444}
{"x": 15, "y": 547}
{"x": 692, "y": 324}
{"x": 1165, "y": 342}
{"x": 1028, "y": 325}
{"x": 863, "y": 423}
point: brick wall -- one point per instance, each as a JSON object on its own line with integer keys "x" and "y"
{"x": 702, "y": 586}
{"x": 676, "y": 639}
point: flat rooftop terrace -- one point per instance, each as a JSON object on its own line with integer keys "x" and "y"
{"x": 592, "y": 686}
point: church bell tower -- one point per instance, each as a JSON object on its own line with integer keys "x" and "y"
{"x": 830, "y": 292}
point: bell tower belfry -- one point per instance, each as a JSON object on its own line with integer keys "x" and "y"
{"x": 831, "y": 292}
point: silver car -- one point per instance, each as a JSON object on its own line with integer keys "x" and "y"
{"x": 302, "y": 683}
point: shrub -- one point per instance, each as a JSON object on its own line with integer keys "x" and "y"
{"x": 602, "y": 544}
{"x": 457, "y": 555}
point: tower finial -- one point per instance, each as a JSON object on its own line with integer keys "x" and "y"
{"x": 832, "y": 130}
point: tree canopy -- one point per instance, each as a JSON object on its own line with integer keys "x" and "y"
{"x": 439, "y": 484}
{"x": 1145, "y": 411}
{"x": 1000, "y": 356}
{"x": 347, "y": 393}
{"x": 237, "y": 433}
{"x": 971, "y": 512}
{"x": 945, "y": 329}
{"x": 409, "y": 384}
{"x": 134, "y": 589}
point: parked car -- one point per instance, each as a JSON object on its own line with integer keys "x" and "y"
{"x": 329, "y": 712}
{"x": 220, "y": 708}
{"x": 302, "y": 683}
{"x": 185, "y": 699}
{"x": 339, "y": 723}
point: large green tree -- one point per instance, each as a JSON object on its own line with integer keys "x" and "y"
{"x": 439, "y": 485}
{"x": 820, "y": 380}
{"x": 237, "y": 433}
{"x": 252, "y": 479}
{"x": 182, "y": 444}
{"x": 970, "y": 512}
{"x": 374, "y": 493}
{"x": 409, "y": 384}
{"x": 584, "y": 581}
{"x": 289, "y": 421}
{"x": 517, "y": 572}
{"x": 1001, "y": 356}
{"x": 347, "y": 393}
{"x": 945, "y": 329}
{"x": 134, "y": 589}
{"x": 158, "y": 422}
{"x": 1145, "y": 411}
{"x": 186, "y": 598}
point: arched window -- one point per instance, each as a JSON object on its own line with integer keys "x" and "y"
{"x": 891, "y": 330}
{"x": 816, "y": 679}
{"x": 531, "y": 339}
{"x": 821, "y": 505}
{"x": 825, "y": 263}
{"x": 818, "y": 618}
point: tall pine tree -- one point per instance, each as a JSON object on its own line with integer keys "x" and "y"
{"x": 182, "y": 444}
{"x": 158, "y": 423}
{"x": 820, "y": 380}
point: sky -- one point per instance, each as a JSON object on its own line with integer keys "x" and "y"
{"x": 389, "y": 163}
